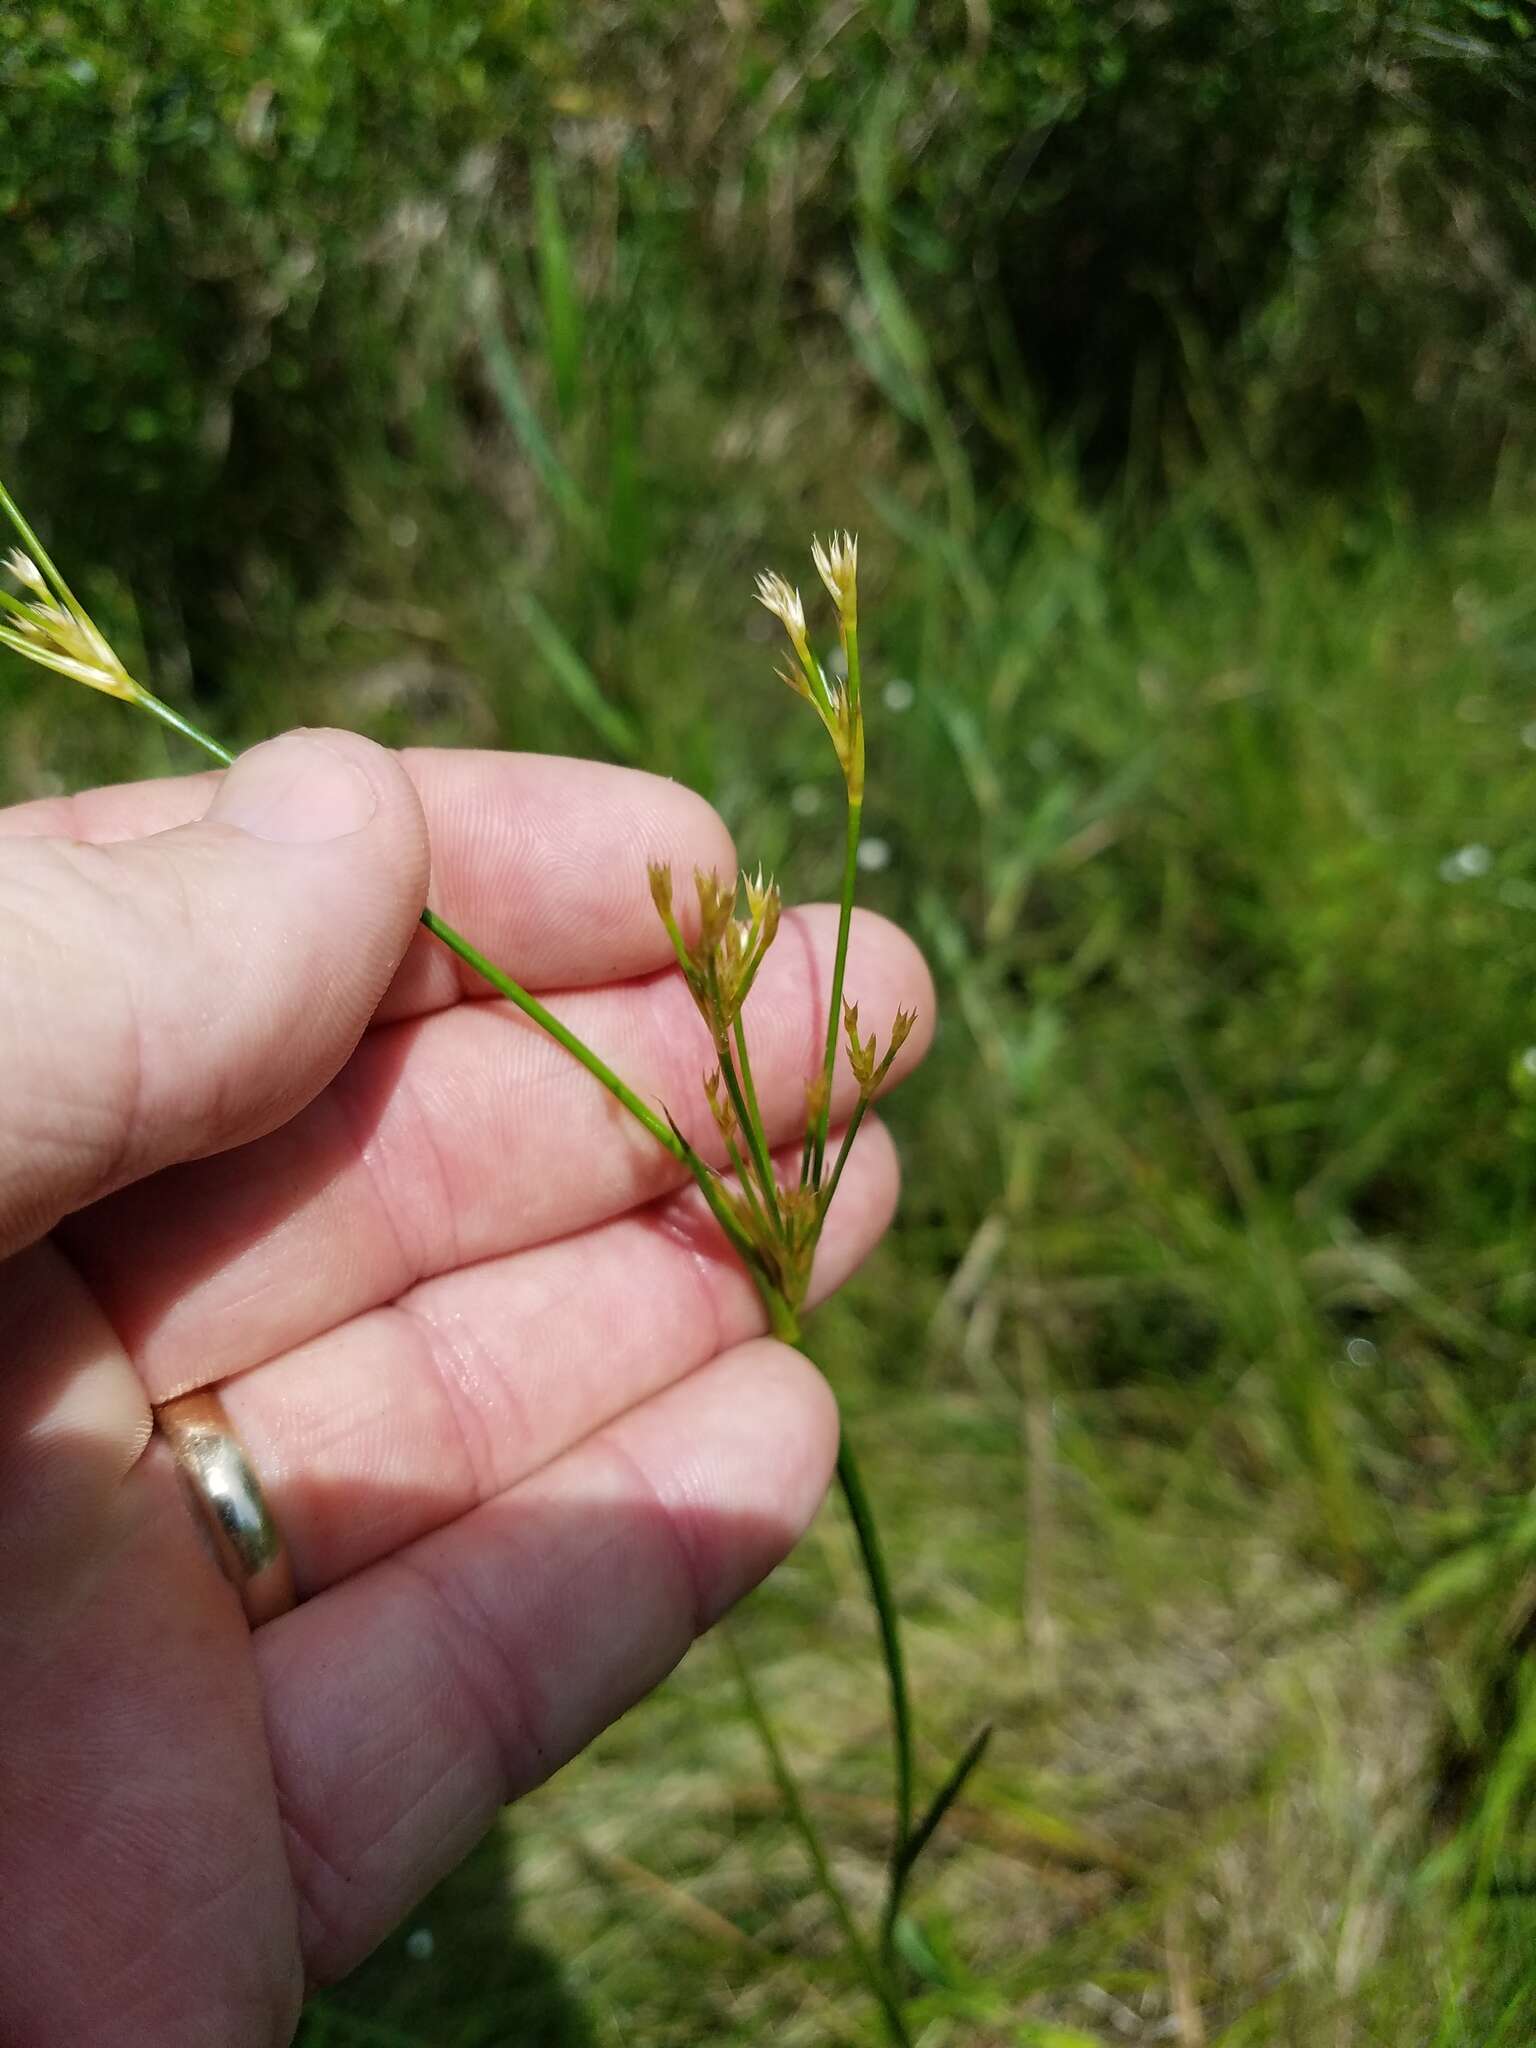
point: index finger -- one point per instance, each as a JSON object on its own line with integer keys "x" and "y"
{"x": 540, "y": 859}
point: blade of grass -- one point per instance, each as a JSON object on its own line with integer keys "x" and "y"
{"x": 580, "y": 687}
{"x": 874, "y": 1977}
{"x": 928, "y": 1826}
{"x": 558, "y": 295}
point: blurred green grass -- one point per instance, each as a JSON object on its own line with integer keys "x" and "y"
{"x": 1196, "y": 1379}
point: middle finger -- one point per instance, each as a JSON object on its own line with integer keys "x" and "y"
{"x": 451, "y": 1139}
{"x": 412, "y": 1415}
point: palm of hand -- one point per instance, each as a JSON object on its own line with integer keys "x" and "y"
{"x": 502, "y": 1386}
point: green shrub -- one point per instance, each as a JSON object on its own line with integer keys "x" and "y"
{"x": 192, "y": 320}
{"x": 225, "y": 232}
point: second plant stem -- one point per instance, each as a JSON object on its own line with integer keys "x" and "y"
{"x": 850, "y": 1480}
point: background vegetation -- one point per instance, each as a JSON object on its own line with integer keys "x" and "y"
{"x": 445, "y": 369}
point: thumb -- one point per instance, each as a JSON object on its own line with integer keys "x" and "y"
{"x": 168, "y": 997}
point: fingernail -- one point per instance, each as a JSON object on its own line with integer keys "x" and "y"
{"x": 296, "y": 790}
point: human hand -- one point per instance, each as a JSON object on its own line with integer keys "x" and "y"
{"x": 501, "y": 1382}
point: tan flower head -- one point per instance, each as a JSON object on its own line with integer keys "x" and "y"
{"x": 720, "y": 1105}
{"x": 50, "y": 626}
{"x": 717, "y": 902}
{"x": 775, "y": 595}
{"x": 26, "y": 572}
{"x": 69, "y": 644}
{"x": 837, "y": 564}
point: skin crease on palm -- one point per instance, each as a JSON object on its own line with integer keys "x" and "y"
{"x": 506, "y": 1390}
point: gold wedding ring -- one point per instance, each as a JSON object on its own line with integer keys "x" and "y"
{"x": 230, "y": 1503}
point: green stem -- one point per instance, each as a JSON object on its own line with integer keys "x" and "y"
{"x": 816, "y": 1140}
{"x": 851, "y": 649}
{"x": 546, "y": 1020}
{"x": 872, "y": 1555}
{"x": 925, "y": 1830}
{"x": 599, "y": 1069}
{"x": 749, "y": 1086}
{"x": 748, "y": 1185}
{"x": 872, "y": 1973}
{"x": 473, "y": 957}
{"x": 167, "y": 716}
{"x": 842, "y": 1158}
{"x": 751, "y": 1125}
{"x": 786, "y": 1327}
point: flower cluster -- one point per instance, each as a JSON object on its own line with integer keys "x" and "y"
{"x": 721, "y": 966}
{"x": 836, "y": 704}
{"x": 779, "y": 1220}
{"x": 867, "y": 1070}
{"x": 48, "y": 626}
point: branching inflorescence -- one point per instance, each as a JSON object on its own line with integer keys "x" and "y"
{"x": 783, "y": 1220}
{"x": 773, "y": 1222}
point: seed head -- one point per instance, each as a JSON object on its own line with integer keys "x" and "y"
{"x": 775, "y": 595}
{"x": 68, "y": 643}
{"x": 717, "y": 900}
{"x": 764, "y": 907}
{"x": 867, "y": 1070}
{"x": 26, "y": 572}
{"x": 661, "y": 887}
{"x": 861, "y": 1052}
{"x": 901, "y": 1031}
{"x": 837, "y": 564}
{"x": 50, "y": 627}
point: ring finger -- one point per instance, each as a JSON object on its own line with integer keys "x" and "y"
{"x": 410, "y": 1416}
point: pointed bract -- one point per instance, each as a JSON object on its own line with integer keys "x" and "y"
{"x": 720, "y": 1105}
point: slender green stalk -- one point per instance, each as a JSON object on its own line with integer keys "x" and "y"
{"x": 842, "y": 1158}
{"x": 547, "y": 1021}
{"x": 853, "y": 770}
{"x": 39, "y": 553}
{"x": 757, "y": 1144}
{"x": 598, "y": 1068}
{"x": 925, "y": 1830}
{"x": 473, "y": 957}
{"x": 744, "y": 1174}
{"x": 786, "y": 1327}
{"x": 174, "y": 719}
{"x": 872, "y": 1556}
{"x": 751, "y": 1126}
{"x": 851, "y": 649}
{"x": 816, "y": 1139}
{"x": 749, "y": 1086}
{"x": 873, "y": 1974}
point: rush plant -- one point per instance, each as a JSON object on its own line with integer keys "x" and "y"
{"x": 773, "y": 1223}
